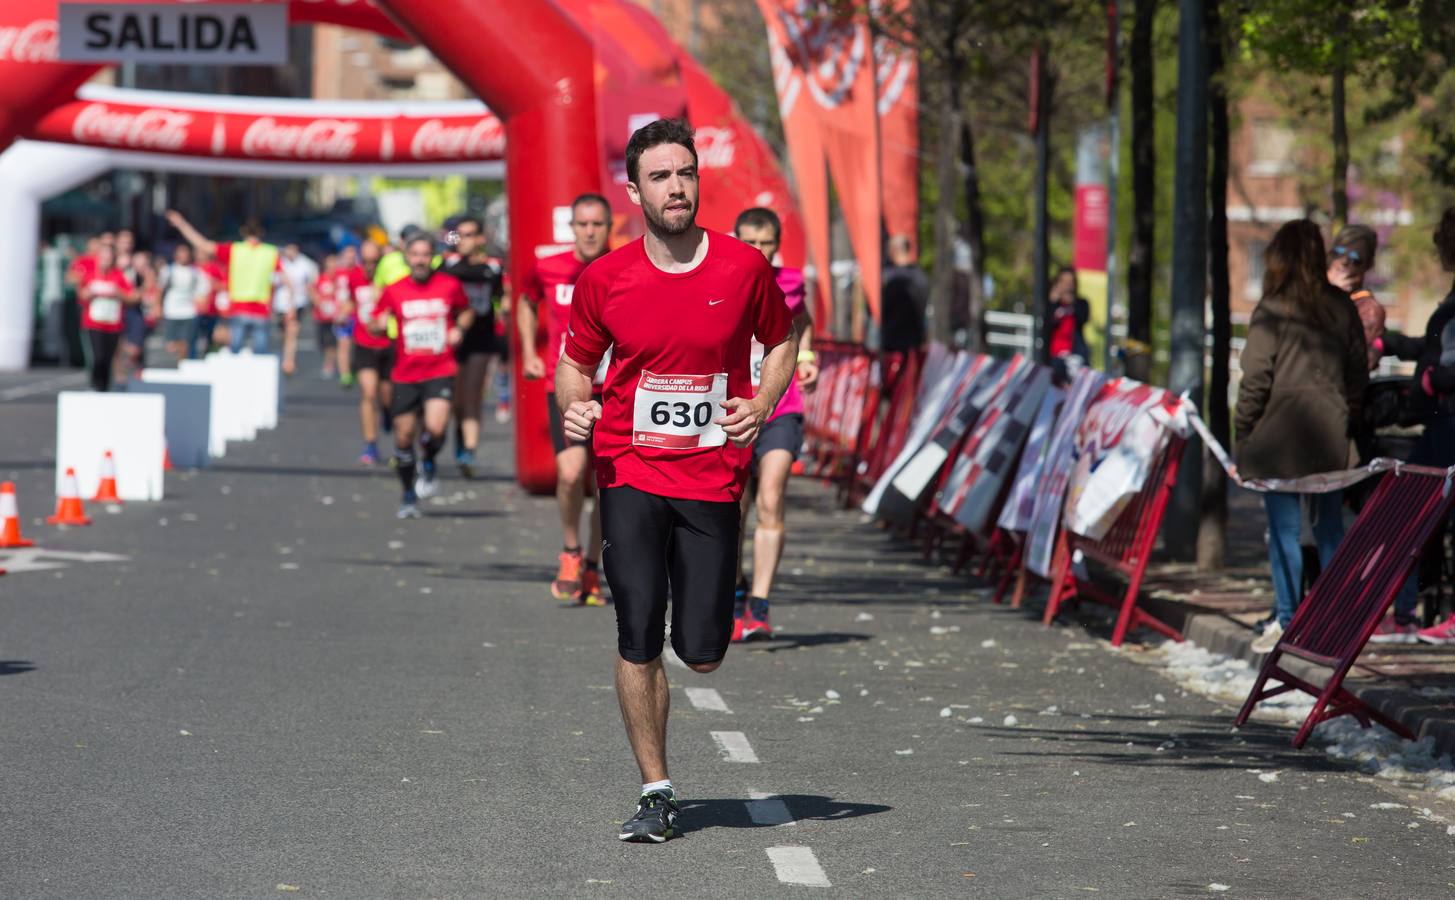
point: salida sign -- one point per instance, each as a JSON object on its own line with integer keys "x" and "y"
{"x": 194, "y": 34}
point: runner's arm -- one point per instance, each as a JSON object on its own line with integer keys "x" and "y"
{"x": 807, "y": 370}
{"x": 745, "y": 418}
{"x": 531, "y": 364}
{"x": 200, "y": 242}
{"x": 573, "y": 396}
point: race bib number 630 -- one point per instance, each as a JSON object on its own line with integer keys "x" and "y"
{"x": 676, "y": 412}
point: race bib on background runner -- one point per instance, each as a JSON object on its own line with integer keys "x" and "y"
{"x": 676, "y": 412}
{"x": 106, "y": 310}
{"x": 425, "y": 336}
{"x": 756, "y": 363}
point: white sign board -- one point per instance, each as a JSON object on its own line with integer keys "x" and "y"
{"x": 185, "y": 33}
{"x": 229, "y": 399}
{"x": 131, "y": 426}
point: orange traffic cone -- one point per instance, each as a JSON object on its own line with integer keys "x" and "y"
{"x": 69, "y": 510}
{"x": 106, "y": 493}
{"x": 166, "y": 457}
{"x": 10, "y": 519}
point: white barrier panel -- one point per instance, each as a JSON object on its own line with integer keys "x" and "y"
{"x": 262, "y": 375}
{"x": 189, "y": 415}
{"x": 131, "y": 426}
{"x": 216, "y": 433}
{"x": 229, "y": 396}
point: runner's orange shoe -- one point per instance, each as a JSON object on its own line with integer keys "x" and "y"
{"x": 567, "y": 585}
{"x": 591, "y": 594}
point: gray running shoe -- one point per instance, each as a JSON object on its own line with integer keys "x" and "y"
{"x": 655, "y": 820}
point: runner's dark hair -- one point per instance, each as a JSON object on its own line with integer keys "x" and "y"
{"x": 473, "y": 220}
{"x": 416, "y": 238}
{"x": 759, "y": 217}
{"x": 662, "y": 131}
{"x": 590, "y": 197}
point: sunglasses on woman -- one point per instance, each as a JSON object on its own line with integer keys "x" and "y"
{"x": 1348, "y": 252}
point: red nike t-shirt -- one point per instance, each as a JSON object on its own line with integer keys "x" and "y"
{"x": 102, "y": 312}
{"x": 550, "y": 284}
{"x": 365, "y": 295}
{"x": 425, "y": 312}
{"x": 680, "y": 345}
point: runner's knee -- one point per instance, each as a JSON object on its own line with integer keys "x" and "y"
{"x": 705, "y": 667}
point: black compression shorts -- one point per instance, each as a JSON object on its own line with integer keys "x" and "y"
{"x": 655, "y": 544}
{"x": 380, "y": 360}
{"x": 410, "y": 396}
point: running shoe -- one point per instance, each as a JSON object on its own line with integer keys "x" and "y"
{"x": 1443, "y": 633}
{"x": 740, "y": 604}
{"x": 426, "y": 483}
{"x": 655, "y": 819}
{"x": 408, "y": 509}
{"x": 1392, "y": 631}
{"x": 502, "y": 413}
{"x": 466, "y": 461}
{"x": 1269, "y": 639}
{"x": 346, "y": 380}
{"x": 590, "y": 592}
{"x": 755, "y": 620}
{"x": 568, "y": 578}
{"x": 370, "y": 456}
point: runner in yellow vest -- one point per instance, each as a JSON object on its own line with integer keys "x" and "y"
{"x": 253, "y": 271}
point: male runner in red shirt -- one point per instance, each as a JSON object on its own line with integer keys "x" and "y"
{"x": 372, "y": 355}
{"x": 673, "y": 433}
{"x": 433, "y": 315}
{"x": 546, "y": 290}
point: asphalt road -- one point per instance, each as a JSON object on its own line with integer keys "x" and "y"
{"x": 281, "y": 688}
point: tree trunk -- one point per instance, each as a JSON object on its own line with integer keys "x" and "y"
{"x": 1213, "y": 530}
{"x": 1141, "y": 259}
{"x": 974, "y": 235}
{"x": 1042, "y": 252}
{"x": 942, "y": 278}
{"x": 1341, "y": 144}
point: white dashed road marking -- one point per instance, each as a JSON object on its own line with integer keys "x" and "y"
{"x": 797, "y": 865}
{"x": 707, "y": 700}
{"x": 734, "y": 746}
{"x": 768, "y": 809}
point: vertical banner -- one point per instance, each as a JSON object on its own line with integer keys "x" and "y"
{"x": 1056, "y": 472}
{"x": 831, "y": 53}
{"x": 1021, "y": 504}
{"x": 942, "y": 398}
{"x": 1089, "y": 231}
{"x": 898, "y": 79}
{"x": 806, "y": 157}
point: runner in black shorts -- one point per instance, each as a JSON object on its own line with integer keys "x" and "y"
{"x": 671, "y": 434}
{"x": 481, "y": 278}
{"x": 432, "y": 315}
{"x": 371, "y": 359}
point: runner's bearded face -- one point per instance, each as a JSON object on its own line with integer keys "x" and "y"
{"x": 666, "y": 189}
{"x": 763, "y": 237}
{"x": 420, "y": 256}
{"x": 590, "y": 228}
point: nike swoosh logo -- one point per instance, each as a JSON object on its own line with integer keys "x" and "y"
{"x": 716, "y": 302}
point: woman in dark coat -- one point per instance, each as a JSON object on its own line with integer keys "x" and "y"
{"x": 1304, "y": 373}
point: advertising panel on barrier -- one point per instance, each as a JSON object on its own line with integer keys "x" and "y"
{"x": 957, "y": 372}
{"x": 975, "y": 395}
{"x": 1056, "y": 471}
{"x": 988, "y": 455}
{"x": 1116, "y": 445}
{"x": 1015, "y": 515}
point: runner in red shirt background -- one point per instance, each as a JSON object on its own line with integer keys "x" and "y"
{"x": 103, "y": 291}
{"x": 323, "y": 296}
{"x": 433, "y": 314}
{"x": 372, "y": 354}
{"x": 672, "y": 433}
{"x": 782, "y": 438}
{"x": 546, "y": 292}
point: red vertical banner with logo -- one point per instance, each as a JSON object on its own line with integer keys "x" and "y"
{"x": 832, "y": 54}
{"x": 1089, "y": 230}
{"x": 806, "y": 156}
{"x": 898, "y": 78}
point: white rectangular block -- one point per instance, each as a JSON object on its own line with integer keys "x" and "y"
{"x": 262, "y": 374}
{"x": 216, "y": 436}
{"x": 131, "y": 426}
{"x": 229, "y": 397}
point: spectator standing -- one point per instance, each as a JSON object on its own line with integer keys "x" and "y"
{"x": 1304, "y": 374}
{"x": 1066, "y": 340}
{"x": 300, "y": 274}
{"x": 253, "y": 268}
{"x": 904, "y": 300}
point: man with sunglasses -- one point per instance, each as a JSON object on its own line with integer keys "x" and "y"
{"x": 481, "y": 278}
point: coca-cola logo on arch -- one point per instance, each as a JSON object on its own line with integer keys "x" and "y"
{"x": 138, "y": 129}
{"x": 318, "y": 139}
{"x": 442, "y": 139}
{"x": 716, "y": 147}
{"x": 828, "y": 48}
{"x": 34, "y": 42}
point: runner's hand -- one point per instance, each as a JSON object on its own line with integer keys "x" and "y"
{"x": 807, "y": 377}
{"x": 533, "y": 368}
{"x": 580, "y": 417}
{"x": 743, "y": 421}
{"x": 455, "y": 336}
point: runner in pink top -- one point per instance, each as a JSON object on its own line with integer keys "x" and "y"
{"x": 777, "y": 447}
